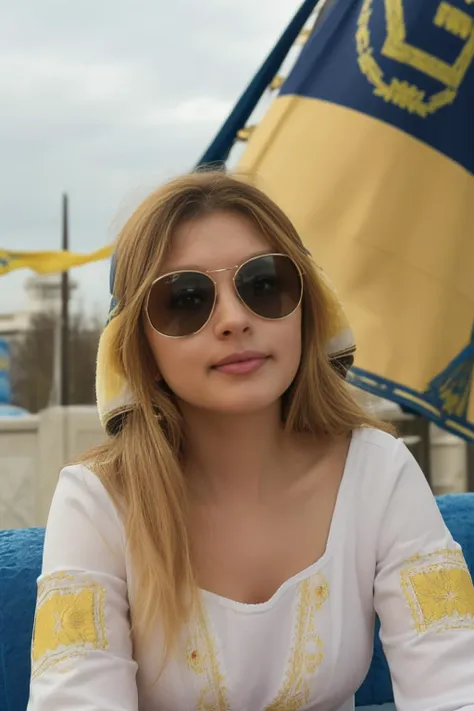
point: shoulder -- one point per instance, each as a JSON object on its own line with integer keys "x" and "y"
{"x": 82, "y": 519}
{"x": 373, "y": 440}
{"x": 382, "y": 464}
{"x": 82, "y": 479}
{"x": 79, "y": 483}
{"x": 376, "y": 450}
{"x": 389, "y": 496}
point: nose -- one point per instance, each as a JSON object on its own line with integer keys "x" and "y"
{"x": 231, "y": 317}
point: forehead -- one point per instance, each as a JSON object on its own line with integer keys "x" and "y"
{"x": 214, "y": 241}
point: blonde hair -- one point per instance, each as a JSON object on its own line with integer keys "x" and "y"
{"x": 140, "y": 464}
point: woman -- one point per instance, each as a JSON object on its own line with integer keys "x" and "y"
{"x": 228, "y": 546}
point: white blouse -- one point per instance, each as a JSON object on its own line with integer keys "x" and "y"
{"x": 309, "y": 647}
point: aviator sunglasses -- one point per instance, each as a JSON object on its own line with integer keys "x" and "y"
{"x": 182, "y": 302}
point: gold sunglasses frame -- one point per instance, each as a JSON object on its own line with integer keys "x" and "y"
{"x": 237, "y": 268}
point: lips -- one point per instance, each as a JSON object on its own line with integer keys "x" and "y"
{"x": 240, "y": 358}
{"x": 241, "y": 363}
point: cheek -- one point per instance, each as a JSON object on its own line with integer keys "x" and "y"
{"x": 163, "y": 351}
{"x": 177, "y": 360}
{"x": 290, "y": 341}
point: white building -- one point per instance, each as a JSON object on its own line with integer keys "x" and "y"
{"x": 44, "y": 295}
{"x": 14, "y": 324}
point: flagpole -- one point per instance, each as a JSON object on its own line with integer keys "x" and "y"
{"x": 219, "y": 149}
{"x": 64, "y": 381}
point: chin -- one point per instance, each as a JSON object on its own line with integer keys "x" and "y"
{"x": 244, "y": 402}
{"x": 242, "y": 408}
{"x": 237, "y": 397}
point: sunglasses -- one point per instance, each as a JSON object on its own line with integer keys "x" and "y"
{"x": 181, "y": 303}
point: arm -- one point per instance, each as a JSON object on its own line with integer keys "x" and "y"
{"x": 82, "y": 649}
{"x": 424, "y": 597}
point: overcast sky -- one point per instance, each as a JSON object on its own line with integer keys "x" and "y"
{"x": 106, "y": 100}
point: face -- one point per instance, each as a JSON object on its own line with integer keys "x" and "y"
{"x": 271, "y": 349}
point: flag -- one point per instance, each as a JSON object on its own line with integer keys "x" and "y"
{"x": 49, "y": 262}
{"x": 369, "y": 148}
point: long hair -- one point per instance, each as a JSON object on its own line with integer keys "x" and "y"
{"x": 141, "y": 463}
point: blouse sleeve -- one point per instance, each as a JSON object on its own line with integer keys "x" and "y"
{"x": 424, "y": 597}
{"x": 81, "y": 657}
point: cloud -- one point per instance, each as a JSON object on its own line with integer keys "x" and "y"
{"x": 105, "y": 101}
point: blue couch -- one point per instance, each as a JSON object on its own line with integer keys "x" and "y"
{"x": 20, "y": 562}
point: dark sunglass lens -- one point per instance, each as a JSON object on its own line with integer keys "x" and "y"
{"x": 270, "y": 285}
{"x": 181, "y": 303}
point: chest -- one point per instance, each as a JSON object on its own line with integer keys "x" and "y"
{"x": 246, "y": 552}
{"x": 291, "y": 655}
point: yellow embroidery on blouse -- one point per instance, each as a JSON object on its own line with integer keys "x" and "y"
{"x": 69, "y": 620}
{"x": 307, "y": 651}
{"x": 202, "y": 658}
{"x": 439, "y": 591}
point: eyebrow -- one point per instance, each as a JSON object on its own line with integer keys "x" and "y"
{"x": 200, "y": 268}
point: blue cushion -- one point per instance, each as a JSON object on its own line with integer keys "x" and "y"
{"x": 20, "y": 564}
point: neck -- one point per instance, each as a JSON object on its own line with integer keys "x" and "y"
{"x": 234, "y": 454}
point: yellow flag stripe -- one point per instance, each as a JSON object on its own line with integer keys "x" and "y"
{"x": 49, "y": 262}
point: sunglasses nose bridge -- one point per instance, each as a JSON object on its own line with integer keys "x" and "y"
{"x": 224, "y": 269}
{"x": 218, "y": 287}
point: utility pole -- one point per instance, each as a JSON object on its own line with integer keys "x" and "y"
{"x": 64, "y": 360}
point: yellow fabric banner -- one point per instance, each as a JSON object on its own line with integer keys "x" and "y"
{"x": 49, "y": 262}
